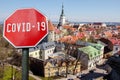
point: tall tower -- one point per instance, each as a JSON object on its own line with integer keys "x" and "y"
{"x": 62, "y": 18}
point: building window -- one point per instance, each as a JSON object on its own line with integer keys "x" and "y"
{"x": 91, "y": 56}
{"x": 90, "y": 65}
{"x": 31, "y": 55}
{"x": 36, "y": 53}
{"x": 116, "y": 48}
{"x": 40, "y": 54}
{"x": 95, "y": 54}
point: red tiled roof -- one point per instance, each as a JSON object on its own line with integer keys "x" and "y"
{"x": 96, "y": 36}
{"x": 115, "y": 41}
{"x": 50, "y": 26}
{"x": 57, "y": 31}
{"x": 91, "y": 29}
{"x": 70, "y": 28}
{"x": 80, "y": 35}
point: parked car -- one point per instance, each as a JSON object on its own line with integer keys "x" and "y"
{"x": 92, "y": 71}
{"x": 70, "y": 79}
{"x": 80, "y": 76}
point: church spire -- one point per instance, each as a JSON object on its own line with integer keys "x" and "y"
{"x": 62, "y": 13}
{"x": 62, "y": 18}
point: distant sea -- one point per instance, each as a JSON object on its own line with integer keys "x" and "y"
{"x": 108, "y": 23}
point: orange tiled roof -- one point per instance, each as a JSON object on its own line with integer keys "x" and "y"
{"x": 70, "y": 28}
{"x": 66, "y": 26}
{"x": 50, "y": 26}
{"x": 118, "y": 27}
{"x": 69, "y": 39}
{"x": 108, "y": 33}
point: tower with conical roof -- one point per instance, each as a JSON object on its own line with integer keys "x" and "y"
{"x": 62, "y": 18}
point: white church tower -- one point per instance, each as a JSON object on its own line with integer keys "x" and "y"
{"x": 62, "y": 20}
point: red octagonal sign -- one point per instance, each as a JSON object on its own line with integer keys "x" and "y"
{"x": 25, "y": 28}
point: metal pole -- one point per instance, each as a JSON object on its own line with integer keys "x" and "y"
{"x": 25, "y": 63}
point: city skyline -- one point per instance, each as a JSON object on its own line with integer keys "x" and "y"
{"x": 77, "y": 11}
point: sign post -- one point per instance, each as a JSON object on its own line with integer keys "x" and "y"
{"x": 25, "y": 28}
{"x": 25, "y": 63}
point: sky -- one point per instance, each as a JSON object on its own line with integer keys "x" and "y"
{"x": 74, "y": 10}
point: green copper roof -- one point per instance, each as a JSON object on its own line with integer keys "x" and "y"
{"x": 96, "y": 45}
{"x": 91, "y": 51}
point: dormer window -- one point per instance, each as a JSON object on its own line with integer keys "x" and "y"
{"x": 91, "y": 55}
{"x": 95, "y": 54}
